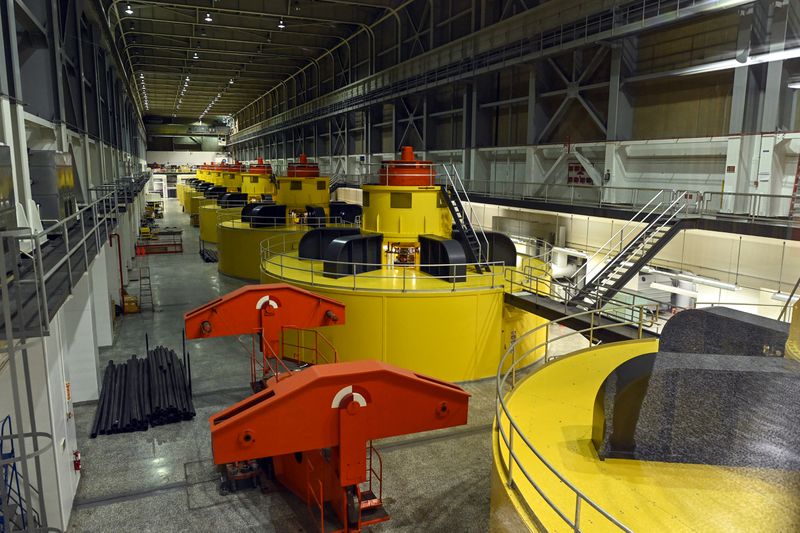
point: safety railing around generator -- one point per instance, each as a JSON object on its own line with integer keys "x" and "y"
{"x": 232, "y": 218}
{"x": 280, "y": 259}
{"x": 737, "y": 206}
{"x": 510, "y": 437}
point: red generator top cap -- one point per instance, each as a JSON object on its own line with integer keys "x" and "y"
{"x": 233, "y": 168}
{"x": 260, "y": 168}
{"x": 407, "y": 171}
{"x": 303, "y": 169}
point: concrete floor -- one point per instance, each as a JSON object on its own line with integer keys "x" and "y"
{"x": 164, "y": 480}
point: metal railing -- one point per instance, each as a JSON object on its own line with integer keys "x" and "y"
{"x": 745, "y": 206}
{"x": 280, "y": 259}
{"x": 232, "y": 218}
{"x": 607, "y": 248}
{"x": 45, "y": 266}
{"x": 297, "y": 348}
{"x": 454, "y": 181}
{"x": 605, "y": 265}
{"x": 536, "y": 282}
{"x": 509, "y": 430}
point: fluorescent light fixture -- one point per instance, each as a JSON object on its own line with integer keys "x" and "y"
{"x": 783, "y": 55}
{"x": 794, "y": 84}
{"x": 128, "y": 10}
{"x": 674, "y": 290}
{"x": 783, "y": 297}
{"x": 208, "y": 18}
{"x": 281, "y": 25}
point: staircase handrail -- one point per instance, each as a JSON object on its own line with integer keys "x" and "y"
{"x": 619, "y": 233}
{"x": 652, "y": 224}
{"x": 461, "y": 191}
{"x": 632, "y": 220}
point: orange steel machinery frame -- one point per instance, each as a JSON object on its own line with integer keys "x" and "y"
{"x": 267, "y": 312}
{"x": 313, "y": 430}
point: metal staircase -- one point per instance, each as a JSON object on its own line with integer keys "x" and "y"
{"x": 14, "y": 513}
{"x": 663, "y": 224}
{"x": 477, "y": 248}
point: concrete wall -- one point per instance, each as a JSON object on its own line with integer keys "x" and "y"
{"x": 185, "y": 158}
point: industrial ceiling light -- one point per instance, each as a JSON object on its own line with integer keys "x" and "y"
{"x": 783, "y": 297}
{"x": 281, "y": 25}
{"x": 128, "y": 10}
{"x": 676, "y": 290}
{"x": 195, "y": 55}
{"x": 208, "y": 18}
{"x": 230, "y": 81}
{"x": 794, "y": 83}
{"x": 141, "y": 75}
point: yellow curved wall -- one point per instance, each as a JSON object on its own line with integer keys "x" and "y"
{"x": 239, "y": 248}
{"x": 209, "y": 219}
{"x": 188, "y": 192}
{"x": 194, "y": 203}
{"x": 425, "y": 214}
{"x": 453, "y": 336}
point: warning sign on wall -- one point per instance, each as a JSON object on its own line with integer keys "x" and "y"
{"x": 577, "y": 175}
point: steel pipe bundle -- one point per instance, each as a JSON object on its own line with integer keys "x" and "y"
{"x": 141, "y": 393}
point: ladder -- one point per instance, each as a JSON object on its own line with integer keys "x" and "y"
{"x": 662, "y": 225}
{"x": 13, "y": 511}
{"x": 145, "y": 289}
{"x": 477, "y": 245}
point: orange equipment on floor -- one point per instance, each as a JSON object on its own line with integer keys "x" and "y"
{"x": 312, "y": 429}
{"x": 266, "y": 311}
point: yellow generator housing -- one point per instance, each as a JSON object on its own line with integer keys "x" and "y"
{"x": 404, "y": 213}
{"x": 297, "y": 193}
{"x": 231, "y": 178}
{"x": 258, "y": 180}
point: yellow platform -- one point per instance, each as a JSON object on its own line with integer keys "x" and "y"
{"x": 554, "y": 409}
{"x": 451, "y": 331}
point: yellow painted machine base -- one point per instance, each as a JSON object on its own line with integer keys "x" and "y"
{"x": 553, "y": 407}
{"x": 209, "y": 218}
{"x": 453, "y": 336}
{"x": 239, "y": 248}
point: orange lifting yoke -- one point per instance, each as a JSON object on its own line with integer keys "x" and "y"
{"x": 313, "y": 432}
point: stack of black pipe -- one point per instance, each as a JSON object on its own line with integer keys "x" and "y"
{"x": 143, "y": 392}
